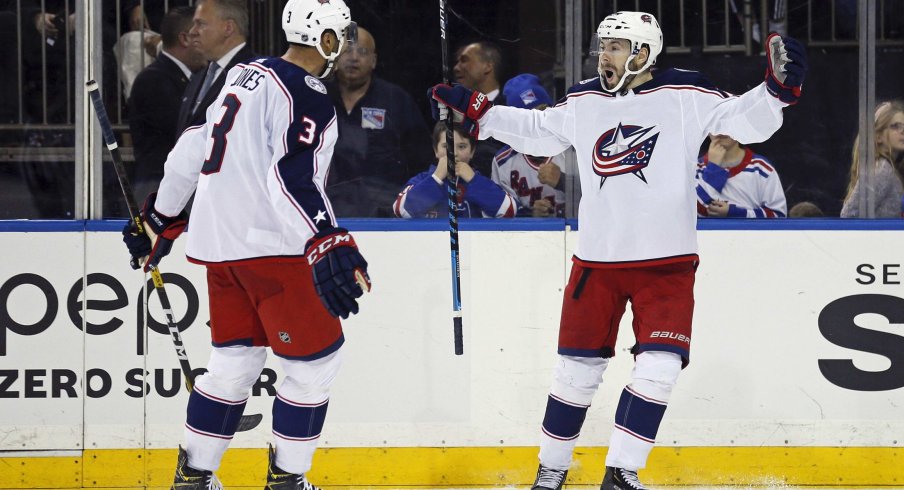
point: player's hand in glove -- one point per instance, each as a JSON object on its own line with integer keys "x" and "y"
{"x": 786, "y": 67}
{"x": 138, "y": 243}
{"x": 340, "y": 272}
{"x": 469, "y": 104}
{"x": 160, "y": 233}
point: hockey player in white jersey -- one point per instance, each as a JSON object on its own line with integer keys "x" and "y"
{"x": 636, "y": 136}
{"x": 735, "y": 182}
{"x": 263, "y": 226}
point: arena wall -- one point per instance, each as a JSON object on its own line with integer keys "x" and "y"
{"x": 796, "y": 373}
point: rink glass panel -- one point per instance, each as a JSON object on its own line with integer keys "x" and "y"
{"x": 44, "y": 177}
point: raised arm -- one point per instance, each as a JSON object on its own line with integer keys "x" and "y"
{"x": 757, "y": 114}
{"x": 541, "y": 133}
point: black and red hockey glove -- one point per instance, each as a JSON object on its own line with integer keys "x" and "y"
{"x": 786, "y": 67}
{"x": 160, "y": 233}
{"x": 340, "y": 272}
{"x": 469, "y": 104}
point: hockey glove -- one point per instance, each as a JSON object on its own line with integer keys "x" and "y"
{"x": 138, "y": 243}
{"x": 470, "y": 104}
{"x": 161, "y": 230}
{"x": 786, "y": 67}
{"x": 340, "y": 272}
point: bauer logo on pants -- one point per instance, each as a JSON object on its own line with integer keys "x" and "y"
{"x": 283, "y": 336}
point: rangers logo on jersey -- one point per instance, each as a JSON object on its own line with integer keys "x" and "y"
{"x": 624, "y": 149}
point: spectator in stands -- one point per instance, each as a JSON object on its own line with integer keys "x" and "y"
{"x": 135, "y": 50}
{"x": 537, "y": 184}
{"x": 219, "y": 32}
{"x": 38, "y": 92}
{"x": 424, "y": 196}
{"x": 805, "y": 209}
{"x": 382, "y": 136}
{"x": 478, "y": 66}
{"x": 735, "y": 182}
{"x": 156, "y": 94}
{"x": 888, "y": 169}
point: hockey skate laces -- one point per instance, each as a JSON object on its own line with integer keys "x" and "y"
{"x": 214, "y": 483}
{"x": 550, "y": 478}
{"x": 630, "y": 477}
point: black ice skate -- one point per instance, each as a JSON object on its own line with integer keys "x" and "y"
{"x": 621, "y": 479}
{"x": 188, "y": 478}
{"x": 548, "y": 478}
{"x": 278, "y": 479}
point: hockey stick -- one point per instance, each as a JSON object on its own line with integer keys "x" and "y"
{"x": 451, "y": 194}
{"x": 247, "y": 422}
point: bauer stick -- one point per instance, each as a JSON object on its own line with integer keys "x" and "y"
{"x": 247, "y": 422}
{"x": 451, "y": 192}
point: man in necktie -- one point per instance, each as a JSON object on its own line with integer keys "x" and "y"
{"x": 212, "y": 70}
{"x": 219, "y": 31}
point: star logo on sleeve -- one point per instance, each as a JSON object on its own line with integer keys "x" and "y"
{"x": 321, "y": 215}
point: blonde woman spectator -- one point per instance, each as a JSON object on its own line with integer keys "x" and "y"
{"x": 888, "y": 170}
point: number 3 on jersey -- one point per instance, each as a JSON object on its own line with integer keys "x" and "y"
{"x": 217, "y": 150}
{"x": 310, "y": 130}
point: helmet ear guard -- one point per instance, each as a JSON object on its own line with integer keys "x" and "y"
{"x": 639, "y": 29}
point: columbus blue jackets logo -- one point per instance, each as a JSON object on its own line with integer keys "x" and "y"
{"x": 623, "y": 150}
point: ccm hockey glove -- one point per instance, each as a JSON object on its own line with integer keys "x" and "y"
{"x": 786, "y": 67}
{"x": 469, "y": 104}
{"x": 340, "y": 272}
{"x": 161, "y": 230}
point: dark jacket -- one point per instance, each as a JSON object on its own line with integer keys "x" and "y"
{"x": 189, "y": 118}
{"x": 153, "y": 112}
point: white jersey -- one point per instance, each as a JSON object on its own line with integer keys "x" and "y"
{"x": 752, "y": 188}
{"x": 518, "y": 176}
{"x": 637, "y": 157}
{"x": 259, "y": 165}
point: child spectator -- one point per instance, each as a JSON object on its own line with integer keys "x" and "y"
{"x": 536, "y": 183}
{"x": 424, "y": 196}
{"x": 735, "y": 182}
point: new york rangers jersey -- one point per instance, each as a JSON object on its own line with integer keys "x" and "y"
{"x": 752, "y": 187}
{"x": 518, "y": 176}
{"x": 637, "y": 156}
{"x": 424, "y": 197}
{"x": 259, "y": 165}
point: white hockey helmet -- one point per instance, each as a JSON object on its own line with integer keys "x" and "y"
{"x": 638, "y": 28}
{"x": 305, "y": 21}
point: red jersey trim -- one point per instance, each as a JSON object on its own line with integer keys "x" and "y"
{"x": 635, "y": 263}
{"x": 272, "y": 259}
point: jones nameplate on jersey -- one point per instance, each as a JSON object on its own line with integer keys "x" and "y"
{"x": 249, "y": 79}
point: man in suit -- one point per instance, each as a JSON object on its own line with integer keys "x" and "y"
{"x": 219, "y": 32}
{"x": 156, "y": 95}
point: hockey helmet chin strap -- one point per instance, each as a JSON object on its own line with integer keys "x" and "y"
{"x": 629, "y": 73}
{"x": 349, "y": 35}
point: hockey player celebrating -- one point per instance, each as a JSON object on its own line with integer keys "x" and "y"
{"x": 636, "y": 136}
{"x": 263, "y": 225}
